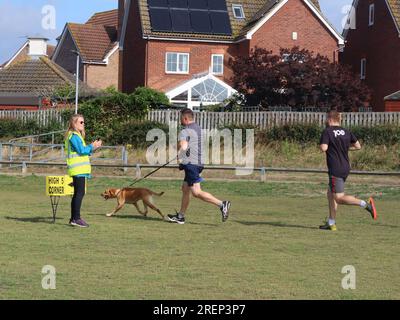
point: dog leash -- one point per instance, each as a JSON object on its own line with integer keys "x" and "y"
{"x": 149, "y": 174}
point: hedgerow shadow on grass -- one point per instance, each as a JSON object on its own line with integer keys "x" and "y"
{"x": 48, "y": 220}
{"x": 274, "y": 224}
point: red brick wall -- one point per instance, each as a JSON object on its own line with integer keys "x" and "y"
{"x": 392, "y": 106}
{"x": 380, "y": 45}
{"x": 199, "y": 61}
{"x": 133, "y": 57}
{"x": 295, "y": 16}
{"x": 103, "y": 76}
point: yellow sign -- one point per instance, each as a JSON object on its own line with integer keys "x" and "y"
{"x": 59, "y": 186}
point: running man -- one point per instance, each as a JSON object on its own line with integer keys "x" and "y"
{"x": 336, "y": 143}
{"x": 190, "y": 155}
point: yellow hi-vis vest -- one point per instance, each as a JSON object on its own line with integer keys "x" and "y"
{"x": 76, "y": 164}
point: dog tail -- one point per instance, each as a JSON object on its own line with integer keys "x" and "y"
{"x": 157, "y": 194}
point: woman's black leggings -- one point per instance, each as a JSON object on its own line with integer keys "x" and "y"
{"x": 79, "y": 192}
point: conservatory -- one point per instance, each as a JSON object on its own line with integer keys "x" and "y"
{"x": 200, "y": 91}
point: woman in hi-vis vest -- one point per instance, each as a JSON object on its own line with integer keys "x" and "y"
{"x": 78, "y": 164}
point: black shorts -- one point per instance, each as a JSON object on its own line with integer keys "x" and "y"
{"x": 336, "y": 184}
{"x": 192, "y": 173}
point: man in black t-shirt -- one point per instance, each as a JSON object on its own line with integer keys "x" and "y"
{"x": 336, "y": 143}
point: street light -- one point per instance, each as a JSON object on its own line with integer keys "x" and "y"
{"x": 77, "y": 80}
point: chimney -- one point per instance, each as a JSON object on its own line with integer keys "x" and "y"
{"x": 37, "y": 46}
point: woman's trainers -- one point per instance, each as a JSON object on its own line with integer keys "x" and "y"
{"x": 79, "y": 223}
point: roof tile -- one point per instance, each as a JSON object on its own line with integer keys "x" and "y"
{"x": 93, "y": 41}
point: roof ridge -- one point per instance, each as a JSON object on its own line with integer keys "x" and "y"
{"x": 102, "y": 12}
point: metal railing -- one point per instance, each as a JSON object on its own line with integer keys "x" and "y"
{"x": 28, "y": 152}
{"x": 261, "y": 170}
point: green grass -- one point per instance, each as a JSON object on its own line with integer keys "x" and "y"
{"x": 270, "y": 248}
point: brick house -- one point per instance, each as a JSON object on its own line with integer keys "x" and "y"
{"x": 372, "y": 49}
{"x": 29, "y": 80}
{"x": 96, "y": 41}
{"x": 182, "y": 47}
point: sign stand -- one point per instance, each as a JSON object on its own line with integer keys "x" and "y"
{"x": 54, "y": 205}
{"x": 57, "y": 187}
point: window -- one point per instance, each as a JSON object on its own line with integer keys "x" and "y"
{"x": 238, "y": 12}
{"x": 177, "y": 62}
{"x": 363, "y": 73}
{"x": 217, "y": 63}
{"x": 371, "y": 14}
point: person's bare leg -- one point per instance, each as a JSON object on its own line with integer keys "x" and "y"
{"x": 205, "y": 196}
{"x": 332, "y": 205}
{"x": 341, "y": 198}
{"x": 185, "y": 198}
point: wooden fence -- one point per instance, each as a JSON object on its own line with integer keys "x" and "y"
{"x": 264, "y": 120}
{"x": 42, "y": 117}
{"x": 211, "y": 120}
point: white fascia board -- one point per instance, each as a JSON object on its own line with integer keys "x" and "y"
{"x": 110, "y": 53}
{"x": 16, "y": 55}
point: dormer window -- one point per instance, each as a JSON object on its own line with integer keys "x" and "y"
{"x": 371, "y": 14}
{"x": 238, "y": 12}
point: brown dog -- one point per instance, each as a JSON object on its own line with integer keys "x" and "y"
{"x": 132, "y": 195}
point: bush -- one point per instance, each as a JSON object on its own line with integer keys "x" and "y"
{"x": 379, "y": 135}
{"x": 310, "y": 133}
{"x": 106, "y": 115}
{"x": 13, "y": 128}
{"x": 134, "y": 133}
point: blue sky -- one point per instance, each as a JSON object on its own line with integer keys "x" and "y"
{"x": 22, "y": 18}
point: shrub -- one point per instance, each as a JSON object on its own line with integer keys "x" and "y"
{"x": 134, "y": 133}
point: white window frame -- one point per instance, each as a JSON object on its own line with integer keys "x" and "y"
{"x": 240, "y": 7}
{"x": 363, "y": 69}
{"x": 177, "y": 64}
{"x": 371, "y": 15}
{"x": 212, "y": 64}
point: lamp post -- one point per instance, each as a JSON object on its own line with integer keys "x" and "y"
{"x": 77, "y": 80}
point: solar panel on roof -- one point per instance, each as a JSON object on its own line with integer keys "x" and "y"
{"x": 180, "y": 20}
{"x": 178, "y": 3}
{"x": 192, "y": 16}
{"x": 160, "y": 19}
{"x": 217, "y": 5}
{"x": 200, "y": 21}
{"x": 198, "y": 4}
{"x": 158, "y": 3}
{"x": 220, "y": 23}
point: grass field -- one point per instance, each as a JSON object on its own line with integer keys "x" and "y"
{"x": 270, "y": 248}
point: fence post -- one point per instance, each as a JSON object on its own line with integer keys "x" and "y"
{"x": 263, "y": 175}
{"x": 24, "y": 168}
{"x": 125, "y": 158}
{"x": 30, "y": 152}
{"x": 138, "y": 171}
